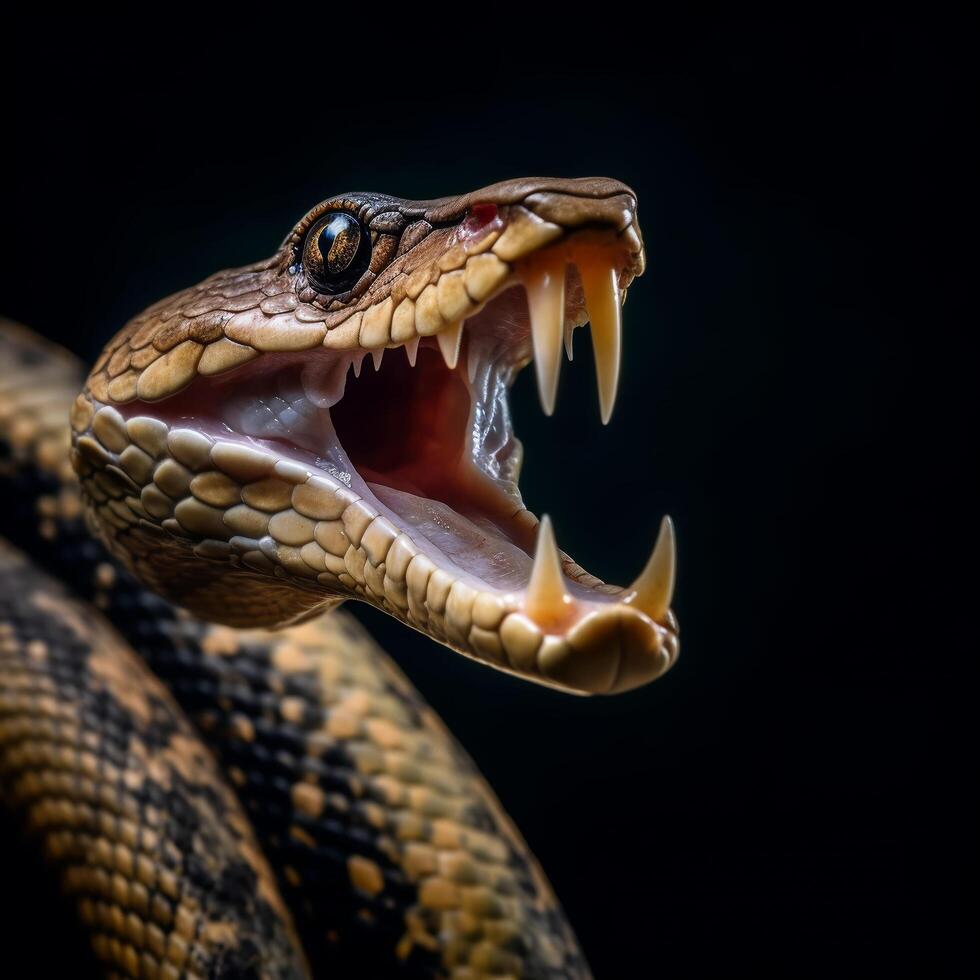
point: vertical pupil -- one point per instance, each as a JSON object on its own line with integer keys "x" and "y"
{"x": 338, "y": 242}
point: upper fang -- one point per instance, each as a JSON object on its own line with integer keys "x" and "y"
{"x": 544, "y": 282}
{"x": 600, "y": 283}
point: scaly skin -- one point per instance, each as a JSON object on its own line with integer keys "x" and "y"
{"x": 128, "y": 806}
{"x": 390, "y": 850}
{"x": 373, "y": 798}
{"x": 249, "y": 533}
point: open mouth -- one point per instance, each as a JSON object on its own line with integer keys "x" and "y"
{"x": 413, "y": 441}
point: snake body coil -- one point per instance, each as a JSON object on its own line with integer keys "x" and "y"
{"x": 390, "y": 855}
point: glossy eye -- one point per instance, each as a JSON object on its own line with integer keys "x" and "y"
{"x": 337, "y": 251}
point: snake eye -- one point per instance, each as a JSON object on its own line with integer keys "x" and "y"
{"x": 336, "y": 253}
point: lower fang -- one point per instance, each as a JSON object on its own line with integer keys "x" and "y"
{"x": 545, "y": 599}
{"x": 654, "y": 589}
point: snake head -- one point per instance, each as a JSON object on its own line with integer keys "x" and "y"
{"x": 333, "y": 423}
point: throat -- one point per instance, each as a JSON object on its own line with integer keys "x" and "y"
{"x": 434, "y": 446}
{"x": 406, "y": 427}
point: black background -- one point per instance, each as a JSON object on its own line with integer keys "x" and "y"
{"x": 794, "y": 798}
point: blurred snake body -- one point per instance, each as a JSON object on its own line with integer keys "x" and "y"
{"x": 216, "y": 799}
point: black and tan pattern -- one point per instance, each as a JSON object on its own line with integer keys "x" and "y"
{"x": 125, "y": 801}
{"x": 406, "y": 834}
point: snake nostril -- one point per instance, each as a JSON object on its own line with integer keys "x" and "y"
{"x": 479, "y": 217}
{"x": 483, "y": 214}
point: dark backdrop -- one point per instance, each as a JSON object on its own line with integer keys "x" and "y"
{"x": 792, "y": 798}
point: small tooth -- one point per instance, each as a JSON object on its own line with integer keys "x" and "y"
{"x": 344, "y": 372}
{"x": 569, "y": 330}
{"x": 412, "y": 349}
{"x": 357, "y": 361}
{"x": 654, "y": 588}
{"x": 545, "y": 597}
{"x": 449, "y": 340}
{"x": 376, "y": 356}
{"x": 324, "y": 387}
{"x": 544, "y": 282}
{"x": 472, "y": 359}
{"x": 600, "y": 283}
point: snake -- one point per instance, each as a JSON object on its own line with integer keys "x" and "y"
{"x": 224, "y": 774}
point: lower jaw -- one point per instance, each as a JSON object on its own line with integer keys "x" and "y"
{"x": 468, "y": 524}
{"x": 450, "y": 557}
{"x": 253, "y": 511}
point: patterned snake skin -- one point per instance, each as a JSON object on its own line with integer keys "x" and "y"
{"x": 291, "y": 807}
{"x": 128, "y": 805}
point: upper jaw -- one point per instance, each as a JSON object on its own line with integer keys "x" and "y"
{"x": 558, "y": 625}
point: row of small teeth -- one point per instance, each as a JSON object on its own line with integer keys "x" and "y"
{"x": 543, "y": 278}
{"x": 433, "y": 300}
